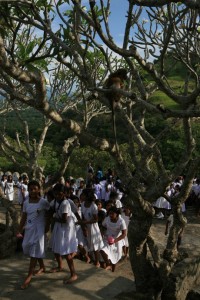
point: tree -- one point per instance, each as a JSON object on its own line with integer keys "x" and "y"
{"x": 153, "y": 30}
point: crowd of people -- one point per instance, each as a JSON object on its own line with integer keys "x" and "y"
{"x": 163, "y": 204}
{"x": 86, "y": 219}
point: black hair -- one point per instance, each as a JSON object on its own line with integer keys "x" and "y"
{"x": 74, "y": 197}
{"x": 114, "y": 209}
{"x": 101, "y": 215}
{"x": 114, "y": 195}
{"x": 109, "y": 202}
{"x": 98, "y": 201}
{"x": 89, "y": 194}
{"x": 50, "y": 193}
{"x": 33, "y": 182}
{"x": 59, "y": 187}
{"x": 67, "y": 190}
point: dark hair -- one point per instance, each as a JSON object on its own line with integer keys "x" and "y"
{"x": 89, "y": 194}
{"x": 113, "y": 195}
{"x": 33, "y": 182}
{"x": 67, "y": 190}
{"x": 3, "y": 177}
{"x": 9, "y": 178}
{"x": 98, "y": 201}
{"x": 114, "y": 209}
{"x": 109, "y": 202}
{"x": 50, "y": 193}
{"x": 101, "y": 215}
{"x": 74, "y": 197}
{"x": 59, "y": 187}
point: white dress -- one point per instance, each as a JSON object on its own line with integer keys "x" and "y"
{"x": 94, "y": 238}
{"x": 22, "y": 187}
{"x": 113, "y": 251}
{"x": 97, "y": 190}
{"x": 34, "y": 237}
{"x": 103, "y": 189}
{"x": 108, "y": 191}
{"x": 9, "y": 190}
{"x": 127, "y": 220}
{"x": 81, "y": 239}
{"x": 63, "y": 239}
{"x": 161, "y": 202}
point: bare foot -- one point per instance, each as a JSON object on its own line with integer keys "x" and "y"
{"x": 70, "y": 280}
{"x": 55, "y": 270}
{"x": 88, "y": 260}
{"x": 74, "y": 254}
{"x": 97, "y": 265}
{"x": 40, "y": 271}
{"x": 108, "y": 268}
{"x": 26, "y": 283}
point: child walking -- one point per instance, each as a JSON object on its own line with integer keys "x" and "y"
{"x": 90, "y": 219}
{"x": 63, "y": 240}
{"x": 113, "y": 238}
{"x": 126, "y": 215}
{"x": 9, "y": 188}
{"x": 33, "y": 221}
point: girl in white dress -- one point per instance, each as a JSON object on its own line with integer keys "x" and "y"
{"x": 33, "y": 220}
{"x": 113, "y": 238}
{"x": 97, "y": 188}
{"x": 63, "y": 240}
{"x": 126, "y": 215}
{"x": 3, "y": 182}
{"x": 9, "y": 188}
{"x": 23, "y": 190}
{"x": 90, "y": 219}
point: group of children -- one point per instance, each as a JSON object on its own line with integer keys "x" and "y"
{"x": 79, "y": 226}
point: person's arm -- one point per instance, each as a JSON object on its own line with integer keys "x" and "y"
{"x": 23, "y": 193}
{"x": 22, "y": 222}
{"x": 94, "y": 219}
{"x": 77, "y": 216}
{"x": 62, "y": 219}
{"x": 48, "y": 219}
{"x": 121, "y": 236}
{"x": 5, "y": 189}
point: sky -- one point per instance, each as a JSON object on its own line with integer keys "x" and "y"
{"x": 117, "y": 17}
{"x": 118, "y": 12}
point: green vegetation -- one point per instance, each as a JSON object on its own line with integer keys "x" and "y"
{"x": 172, "y": 145}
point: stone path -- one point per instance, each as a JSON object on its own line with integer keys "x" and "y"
{"x": 92, "y": 283}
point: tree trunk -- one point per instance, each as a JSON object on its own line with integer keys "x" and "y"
{"x": 147, "y": 279}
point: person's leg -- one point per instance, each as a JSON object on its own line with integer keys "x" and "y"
{"x": 41, "y": 267}
{"x": 70, "y": 263}
{"x": 106, "y": 260}
{"x": 32, "y": 265}
{"x": 84, "y": 253}
{"x": 113, "y": 267}
{"x": 59, "y": 268}
{"x": 96, "y": 257}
